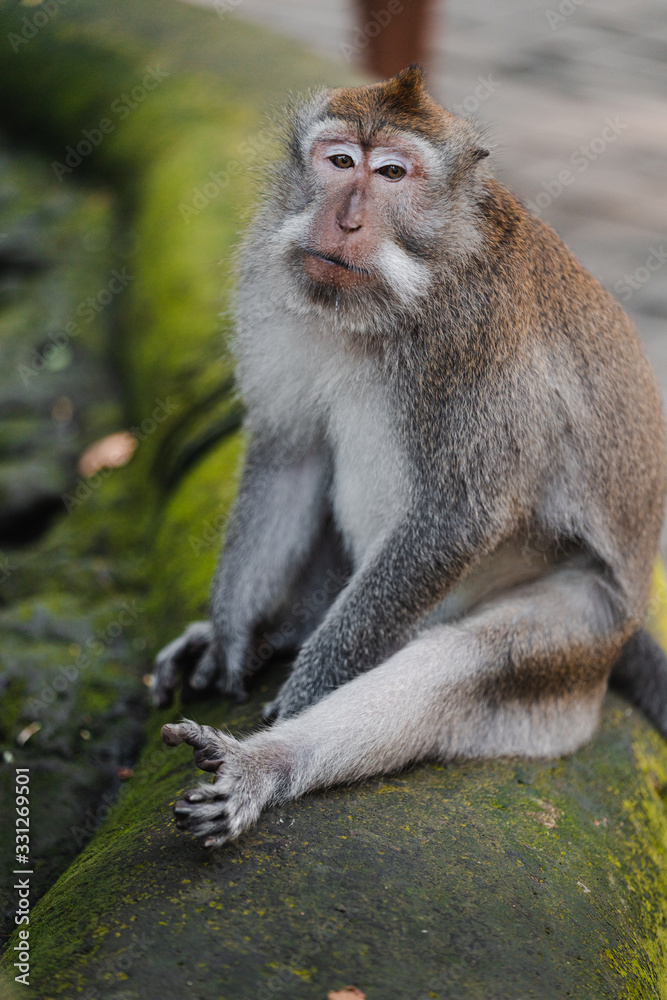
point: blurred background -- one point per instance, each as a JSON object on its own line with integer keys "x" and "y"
{"x": 129, "y": 138}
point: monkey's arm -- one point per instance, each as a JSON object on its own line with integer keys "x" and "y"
{"x": 279, "y": 511}
{"x": 380, "y": 609}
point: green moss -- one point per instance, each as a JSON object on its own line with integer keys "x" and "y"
{"x": 506, "y": 879}
{"x": 188, "y": 539}
{"x": 177, "y": 305}
{"x": 167, "y": 339}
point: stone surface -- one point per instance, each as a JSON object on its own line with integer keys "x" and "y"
{"x": 60, "y": 594}
{"x": 57, "y": 391}
{"x": 80, "y": 604}
{"x": 498, "y": 880}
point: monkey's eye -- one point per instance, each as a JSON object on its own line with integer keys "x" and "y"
{"x": 342, "y": 161}
{"x": 392, "y": 171}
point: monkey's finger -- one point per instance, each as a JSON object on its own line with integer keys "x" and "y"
{"x": 211, "y": 747}
{"x": 271, "y": 711}
{"x": 206, "y": 763}
{"x": 204, "y": 673}
{"x": 177, "y": 657}
{"x": 187, "y": 731}
{"x": 163, "y": 680}
{"x": 206, "y": 820}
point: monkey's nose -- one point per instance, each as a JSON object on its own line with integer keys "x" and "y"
{"x": 348, "y": 225}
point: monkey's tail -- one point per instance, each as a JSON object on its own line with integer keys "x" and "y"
{"x": 641, "y": 675}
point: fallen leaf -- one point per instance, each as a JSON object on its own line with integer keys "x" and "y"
{"x": 26, "y": 733}
{"x": 110, "y": 452}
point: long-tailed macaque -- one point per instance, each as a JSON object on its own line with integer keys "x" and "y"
{"x": 452, "y": 420}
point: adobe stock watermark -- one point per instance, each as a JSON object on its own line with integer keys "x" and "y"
{"x": 283, "y": 976}
{"x": 486, "y": 86}
{"x": 565, "y": 9}
{"x": 146, "y": 770}
{"x": 32, "y": 24}
{"x": 378, "y": 20}
{"x": 216, "y": 181}
{"x": 211, "y": 529}
{"x": 580, "y": 159}
{"x": 7, "y": 567}
{"x": 95, "y": 644}
{"x": 225, "y": 7}
{"x": 22, "y": 874}
{"x": 303, "y": 611}
{"x": 631, "y": 283}
{"x": 120, "y": 108}
{"x": 656, "y": 602}
{"x": 86, "y": 311}
{"x": 113, "y": 969}
{"x": 85, "y": 486}
{"x": 450, "y": 977}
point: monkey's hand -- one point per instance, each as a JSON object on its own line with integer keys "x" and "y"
{"x": 312, "y": 676}
{"x": 194, "y": 661}
{"x": 381, "y": 607}
{"x": 247, "y": 779}
{"x": 295, "y": 695}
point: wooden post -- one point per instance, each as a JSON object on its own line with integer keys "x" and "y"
{"x": 391, "y": 34}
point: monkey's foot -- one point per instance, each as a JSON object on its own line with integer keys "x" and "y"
{"x": 219, "y": 812}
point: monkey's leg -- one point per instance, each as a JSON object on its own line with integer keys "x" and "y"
{"x": 276, "y": 520}
{"x": 524, "y": 675}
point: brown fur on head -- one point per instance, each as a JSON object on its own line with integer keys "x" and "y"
{"x": 401, "y": 103}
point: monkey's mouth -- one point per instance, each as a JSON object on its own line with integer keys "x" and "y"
{"x": 338, "y": 262}
{"x": 329, "y": 269}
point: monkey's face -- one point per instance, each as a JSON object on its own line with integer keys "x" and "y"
{"x": 367, "y": 199}
{"x": 372, "y": 201}
{"x": 361, "y": 242}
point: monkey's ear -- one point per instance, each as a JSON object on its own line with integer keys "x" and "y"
{"x": 405, "y": 93}
{"x": 412, "y": 76}
{"x": 407, "y": 86}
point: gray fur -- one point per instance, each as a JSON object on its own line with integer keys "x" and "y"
{"x": 487, "y": 444}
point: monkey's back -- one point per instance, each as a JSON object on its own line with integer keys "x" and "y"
{"x": 601, "y": 421}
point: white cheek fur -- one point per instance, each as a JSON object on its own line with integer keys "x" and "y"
{"x": 293, "y": 232}
{"x": 407, "y": 277}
